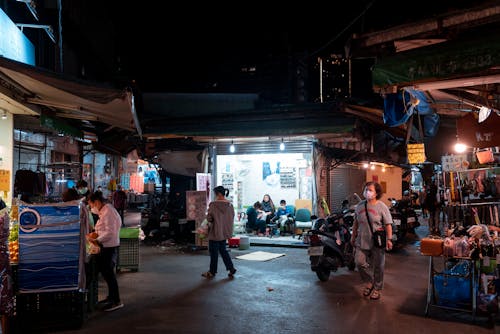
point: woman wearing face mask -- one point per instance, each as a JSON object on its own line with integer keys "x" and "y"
{"x": 370, "y": 260}
{"x": 107, "y": 236}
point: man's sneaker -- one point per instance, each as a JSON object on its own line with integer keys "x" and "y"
{"x": 208, "y": 274}
{"x": 104, "y": 301}
{"x": 113, "y": 306}
{"x": 231, "y": 273}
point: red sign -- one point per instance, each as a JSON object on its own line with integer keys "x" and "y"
{"x": 479, "y": 135}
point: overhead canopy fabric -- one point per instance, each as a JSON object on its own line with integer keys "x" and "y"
{"x": 186, "y": 163}
{"x": 237, "y": 115}
{"x": 463, "y": 58}
{"x": 71, "y": 98}
{"x": 447, "y": 78}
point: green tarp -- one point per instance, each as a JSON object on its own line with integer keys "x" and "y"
{"x": 474, "y": 55}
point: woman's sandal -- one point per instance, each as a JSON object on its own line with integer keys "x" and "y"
{"x": 375, "y": 295}
{"x": 367, "y": 291}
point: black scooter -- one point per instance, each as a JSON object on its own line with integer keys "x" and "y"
{"x": 330, "y": 247}
{"x": 404, "y": 218}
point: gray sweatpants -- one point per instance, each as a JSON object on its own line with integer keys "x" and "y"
{"x": 370, "y": 265}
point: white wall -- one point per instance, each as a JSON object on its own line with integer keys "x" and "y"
{"x": 391, "y": 178}
{"x": 248, "y": 170}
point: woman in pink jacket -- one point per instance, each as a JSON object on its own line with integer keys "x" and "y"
{"x": 107, "y": 231}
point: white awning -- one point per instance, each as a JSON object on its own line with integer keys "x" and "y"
{"x": 25, "y": 89}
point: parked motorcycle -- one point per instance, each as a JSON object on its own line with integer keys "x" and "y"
{"x": 404, "y": 218}
{"x": 330, "y": 247}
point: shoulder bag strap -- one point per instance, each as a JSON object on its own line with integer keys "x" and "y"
{"x": 368, "y": 217}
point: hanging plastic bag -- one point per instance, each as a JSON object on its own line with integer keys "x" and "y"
{"x": 202, "y": 230}
{"x": 484, "y": 157}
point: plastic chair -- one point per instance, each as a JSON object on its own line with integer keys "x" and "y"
{"x": 303, "y": 219}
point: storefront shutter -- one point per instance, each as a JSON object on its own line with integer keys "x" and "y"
{"x": 344, "y": 182}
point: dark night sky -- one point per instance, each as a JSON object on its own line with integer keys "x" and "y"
{"x": 163, "y": 46}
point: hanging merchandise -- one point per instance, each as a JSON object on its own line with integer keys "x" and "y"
{"x": 484, "y": 157}
{"x": 452, "y": 188}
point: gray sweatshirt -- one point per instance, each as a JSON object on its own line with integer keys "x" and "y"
{"x": 221, "y": 218}
{"x": 379, "y": 214}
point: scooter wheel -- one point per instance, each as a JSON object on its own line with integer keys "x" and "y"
{"x": 323, "y": 274}
{"x": 351, "y": 266}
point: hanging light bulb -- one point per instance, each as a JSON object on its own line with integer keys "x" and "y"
{"x": 232, "y": 148}
{"x": 282, "y": 145}
{"x": 460, "y": 147}
{"x": 4, "y": 114}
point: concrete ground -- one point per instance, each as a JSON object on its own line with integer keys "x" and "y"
{"x": 168, "y": 295}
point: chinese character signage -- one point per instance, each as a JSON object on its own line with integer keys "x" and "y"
{"x": 479, "y": 135}
{"x": 454, "y": 163}
{"x": 4, "y": 180}
{"x": 416, "y": 153}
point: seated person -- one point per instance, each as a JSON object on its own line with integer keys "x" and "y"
{"x": 282, "y": 212}
{"x": 254, "y": 221}
{"x": 283, "y": 217}
{"x": 268, "y": 208}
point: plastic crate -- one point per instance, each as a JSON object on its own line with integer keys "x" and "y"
{"x": 128, "y": 254}
{"x": 49, "y": 311}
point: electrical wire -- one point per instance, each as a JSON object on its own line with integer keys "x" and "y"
{"x": 327, "y": 44}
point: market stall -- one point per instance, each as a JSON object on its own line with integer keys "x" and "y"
{"x": 48, "y": 259}
{"x": 464, "y": 256}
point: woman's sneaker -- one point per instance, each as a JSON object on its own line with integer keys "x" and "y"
{"x": 231, "y": 273}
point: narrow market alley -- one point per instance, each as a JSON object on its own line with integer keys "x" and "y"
{"x": 168, "y": 295}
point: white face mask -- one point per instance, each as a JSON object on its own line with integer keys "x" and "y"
{"x": 82, "y": 191}
{"x": 368, "y": 194}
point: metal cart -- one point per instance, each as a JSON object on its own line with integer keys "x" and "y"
{"x": 452, "y": 284}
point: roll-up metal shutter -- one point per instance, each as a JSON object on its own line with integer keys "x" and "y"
{"x": 345, "y": 181}
{"x": 260, "y": 147}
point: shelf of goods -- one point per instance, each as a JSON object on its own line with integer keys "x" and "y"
{"x": 463, "y": 275}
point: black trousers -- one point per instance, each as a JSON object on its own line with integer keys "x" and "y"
{"x": 106, "y": 262}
